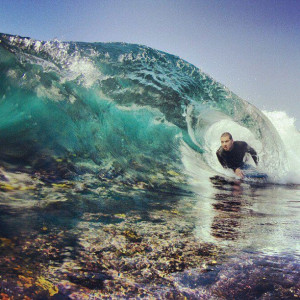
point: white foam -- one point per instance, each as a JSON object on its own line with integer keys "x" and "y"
{"x": 290, "y": 136}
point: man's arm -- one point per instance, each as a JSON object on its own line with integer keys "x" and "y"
{"x": 253, "y": 154}
{"x": 221, "y": 160}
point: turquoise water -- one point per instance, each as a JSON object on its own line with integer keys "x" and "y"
{"x": 110, "y": 186}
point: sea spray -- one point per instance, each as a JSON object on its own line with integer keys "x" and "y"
{"x": 290, "y": 136}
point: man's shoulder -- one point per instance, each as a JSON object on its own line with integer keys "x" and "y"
{"x": 240, "y": 143}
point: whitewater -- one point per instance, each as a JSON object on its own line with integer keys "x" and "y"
{"x": 110, "y": 185}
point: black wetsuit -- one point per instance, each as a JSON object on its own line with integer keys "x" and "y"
{"x": 234, "y": 158}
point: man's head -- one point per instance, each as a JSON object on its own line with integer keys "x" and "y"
{"x": 226, "y": 141}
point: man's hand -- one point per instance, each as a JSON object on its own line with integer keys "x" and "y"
{"x": 239, "y": 173}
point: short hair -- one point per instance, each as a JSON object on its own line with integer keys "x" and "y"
{"x": 227, "y": 134}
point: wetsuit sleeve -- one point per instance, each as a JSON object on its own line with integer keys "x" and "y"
{"x": 221, "y": 160}
{"x": 252, "y": 153}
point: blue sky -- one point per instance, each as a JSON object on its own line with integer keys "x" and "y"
{"x": 251, "y": 46}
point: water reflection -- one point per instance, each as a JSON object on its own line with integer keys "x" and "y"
{"x": 249, "y": 217}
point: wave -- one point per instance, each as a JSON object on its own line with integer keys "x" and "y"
{"x": 121, "y": 107}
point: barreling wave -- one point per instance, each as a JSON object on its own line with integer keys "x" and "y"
{"x": 105, "y": 104}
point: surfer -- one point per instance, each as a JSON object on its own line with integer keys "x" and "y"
{"x": 231, "y": 154}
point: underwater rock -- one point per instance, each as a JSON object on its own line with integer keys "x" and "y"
{"x": 89, "y": 279}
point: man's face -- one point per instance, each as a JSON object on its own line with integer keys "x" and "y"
{"x": 226, "y": 143}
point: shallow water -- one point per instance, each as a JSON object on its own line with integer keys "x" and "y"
{"x": 65, "y": 241}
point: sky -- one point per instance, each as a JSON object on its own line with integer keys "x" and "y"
{"x": 250, "y": 46}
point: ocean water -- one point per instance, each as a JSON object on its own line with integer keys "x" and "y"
{"x": 110, "y": 186}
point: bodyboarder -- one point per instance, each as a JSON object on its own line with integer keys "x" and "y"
{"x": 231, "y": 154}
